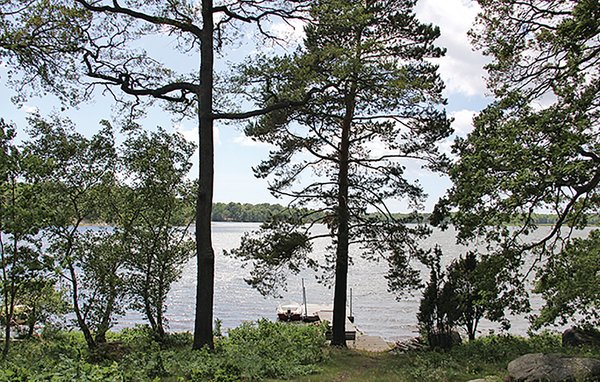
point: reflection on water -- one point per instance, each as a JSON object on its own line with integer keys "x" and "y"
{"x": 376, "y": 311}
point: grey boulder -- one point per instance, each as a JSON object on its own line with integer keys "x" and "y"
{"x": 540, "y": 367}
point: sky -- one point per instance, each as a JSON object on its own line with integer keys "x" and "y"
{"x": 461, "y": 69}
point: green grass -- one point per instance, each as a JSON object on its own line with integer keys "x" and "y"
{"x": 260, "y": 351}
{"x": 486, "y": 357}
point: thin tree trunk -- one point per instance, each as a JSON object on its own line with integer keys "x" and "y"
{"x": 160, "y": 328}
{"x": 9, "y": 294}
{"x": 148, "y": 310}
{"x": 87, "y": 334}
{"x": 203, "y": 335}
{"x": 10, "y": 313}
{"x": 341, "y": 262}
{"x": 31, "y": 320}
{"x": 6, "y": 299}
{"x": 105, "y": 322}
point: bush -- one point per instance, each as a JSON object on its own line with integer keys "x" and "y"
{"x": 275, "y": 350}
{"x": 253, "y": 351}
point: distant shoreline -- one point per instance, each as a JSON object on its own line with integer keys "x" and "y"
{"x": 235, "y": 212}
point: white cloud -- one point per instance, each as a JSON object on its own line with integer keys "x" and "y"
{"x": 462, "y": 124}
{"x": 246, "y": 141}
{"x": 461, "y": 68}
{"x": 292, "y": 32}
{"x": 463, "y": 121}
{"x": 30, "y": 109}
{"x": 192, "y": 135}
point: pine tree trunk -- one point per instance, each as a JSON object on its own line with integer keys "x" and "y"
{"x": 203, "y": 335}
{"x": 341, "y": 263}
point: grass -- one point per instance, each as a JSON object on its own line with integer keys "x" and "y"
{"x": 486, "y": 357}
{"x": 262, "y": 351}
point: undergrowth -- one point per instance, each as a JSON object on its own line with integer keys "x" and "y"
{"x": 253, "y": 351}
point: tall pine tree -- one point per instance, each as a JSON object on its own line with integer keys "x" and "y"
{"x": 345, "y": 153}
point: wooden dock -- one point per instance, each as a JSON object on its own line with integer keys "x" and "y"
{"x": 327, "y": 315}
{"x": 356, "y": 339}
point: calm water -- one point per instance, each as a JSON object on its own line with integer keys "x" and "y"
{"x": 376, "y": 311}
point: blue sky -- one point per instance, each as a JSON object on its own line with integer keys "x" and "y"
{"x": 461, "y": 70}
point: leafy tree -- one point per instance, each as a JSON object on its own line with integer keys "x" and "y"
{"x": 75, "y": 168}
{"x": 536, "y": 148}
{"x": 156, "y": 165}
{"x": 44, "y": 302}
{"x": 21, "y": 218}
{"x": 570, "y": 284}
{"x": 468, "y": 290}
{"x": 476, "y": 285}
{"x": 245, "y": 212}
{"x": 100, "y": 257}
{"x": 345, "y": 153}
{"x": 71, "y": 47}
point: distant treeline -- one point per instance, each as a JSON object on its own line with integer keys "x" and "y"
{"x": 244, "y": 212}
{"x": 539, "y": 219}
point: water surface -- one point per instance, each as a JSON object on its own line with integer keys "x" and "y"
{"x": 376, "y": 311}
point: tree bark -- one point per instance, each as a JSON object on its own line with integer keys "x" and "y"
{"x": 87, "y": 334}
{"x": 203, "y": 335}
{"x": 341, "y": 261}
{"x": 105, "y": 322}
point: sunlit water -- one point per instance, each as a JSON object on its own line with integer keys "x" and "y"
{"x": 376, "y": 311}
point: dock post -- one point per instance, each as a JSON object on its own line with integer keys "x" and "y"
{"x": 351, "y": 317}
{"x": 304, "y": 298}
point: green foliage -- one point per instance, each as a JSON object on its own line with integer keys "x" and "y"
{"x": 100, "y": 257}
{"x": 141, "y": 189}
{"x": 536, "y": 147}
{"x": 254, "y": 351}
{"x": 437, "y": 314}
{"x": 570, "y": 284}
{"x": 467, "y": 291}
{"x": 23, "y": 214}
{"x": 477, "y": 286}
{"x": 245, "y": 212}
{"x": 272, "y": 349}
{"x": 156, "y": 165}
{"x": 76, "y": 172}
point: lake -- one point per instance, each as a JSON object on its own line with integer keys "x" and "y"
{"x": 376, "y": 311}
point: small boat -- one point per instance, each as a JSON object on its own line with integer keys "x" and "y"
{"x": 289, "y": 312}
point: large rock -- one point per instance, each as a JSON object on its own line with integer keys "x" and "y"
{"x": 580, "y": 337}
{"x": 553, "y": 368}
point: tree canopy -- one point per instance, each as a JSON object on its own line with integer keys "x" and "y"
{"x": 536, "y": 148}
{"x": 72, "y": 47}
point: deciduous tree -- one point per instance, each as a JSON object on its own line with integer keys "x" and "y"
{"x": 536, "y": 147}
{"x": 21, "y": 218}
{"x": 156, "y": 166}
{"x": 570, "y": 284}
{"x": 71, "y": 47}
{"x": 75, "y": 171}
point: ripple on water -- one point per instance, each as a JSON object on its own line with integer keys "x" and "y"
{"x": 376, "y": 311}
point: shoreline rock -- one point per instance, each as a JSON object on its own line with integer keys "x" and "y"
{"x": 539, "y": 367}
